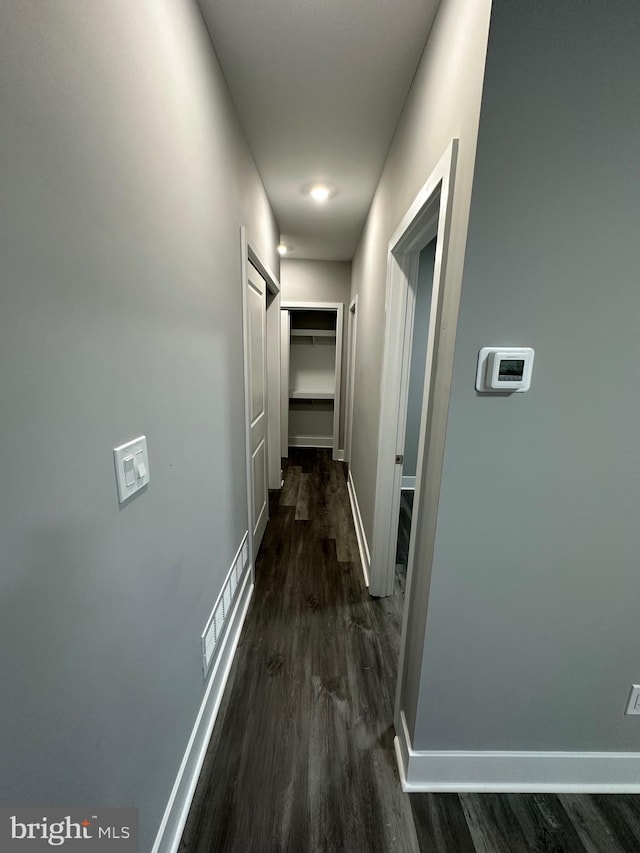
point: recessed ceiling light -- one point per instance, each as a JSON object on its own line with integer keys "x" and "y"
{"x": 282, "y": 248}
{"x": 320, "y": 192}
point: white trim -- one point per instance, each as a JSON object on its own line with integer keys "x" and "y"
{"x": 338, "y": 381}
{"x": 217, "y": 618}
{"x": 273, "y": 285}
{"x": 249, "y": 255}
{"x": 408, "y": 482}
{"x": 401, "y": 762}
{"x": 428, "y": 216}
{"x": 177, "y": 810}
{"x": 310, "y": 306}
{"x": 352, "y": 334}
{"x": 314, "y": 441}
{"x": 272, "y": 347}
{"x": 515, "y": 772}
{"x": 274, "y": 372}
{"x": 285, "y": 337}
{"x": 365, "y": 557}
{"x": 341, "y": 455}
{"x": 244, "y": 266}
{"x": 311, "y": 441}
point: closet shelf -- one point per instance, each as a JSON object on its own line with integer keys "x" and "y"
{"x": 311, "y": 395}
{"x": 313, "y": 333}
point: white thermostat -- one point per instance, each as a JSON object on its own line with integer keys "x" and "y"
{"x": 506, "y": 369}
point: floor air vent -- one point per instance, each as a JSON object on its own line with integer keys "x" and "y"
{"x": 219, "y": 619}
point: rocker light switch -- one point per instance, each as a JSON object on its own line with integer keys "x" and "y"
{"x": 132, "y": 467}
{"x": 129, "y": 473}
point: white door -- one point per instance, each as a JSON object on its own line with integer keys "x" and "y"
{"x": 256, "y": 321}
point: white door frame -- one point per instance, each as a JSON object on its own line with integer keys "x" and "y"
{"x": 428, "y": 216}
{"x": 285, "y": 335}
{"x": 338, "y": 307}
{"x": 249, "y": 254}
{"x": 352, "y": 334}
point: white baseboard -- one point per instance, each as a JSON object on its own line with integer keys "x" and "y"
{"x": 515, "y": 772}
{"x": 177, "y": 810}
{"x": 365, "y": 555}
{"x": 311, "y": 441}
{"x": 408, "y": 483}
{"x": 341, "y": 456}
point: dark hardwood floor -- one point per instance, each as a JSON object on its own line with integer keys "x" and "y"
{"x": 301, "y": 757}
{"x": 520, "y": 823}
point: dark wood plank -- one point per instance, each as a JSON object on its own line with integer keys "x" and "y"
{"x": 520, "y": 823}
{"x": 596, "y": 833}
{"x": 289, "y": 492}
{"x": 343, "y": 532}
{"x": 493, "y": 827}
{"x": 441, "y": 825}
{"x": 622, "y": 812}
{"x": 303, "y": 504}
{"x": 619, "y": 816}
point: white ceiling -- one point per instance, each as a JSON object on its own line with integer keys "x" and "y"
{"x": 319, "y": 86}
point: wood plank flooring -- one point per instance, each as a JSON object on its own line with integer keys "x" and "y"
{"x": 301, "y": 758}
{"x": 520, "y": 823}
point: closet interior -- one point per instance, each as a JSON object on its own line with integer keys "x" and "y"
{"x": 311, "y": 339}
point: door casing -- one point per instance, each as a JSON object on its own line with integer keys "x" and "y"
{"x": 352, "y": 335}
{"x": 429, "y": 216}
{"x": 249, "y": 254}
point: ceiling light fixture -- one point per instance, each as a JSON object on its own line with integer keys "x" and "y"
{"x": 282, "y": 249}
{"x": 320, "y": 192}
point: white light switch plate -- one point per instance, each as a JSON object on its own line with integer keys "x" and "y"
{"x": 132, "y": 467}
{"x": 633, "y": 705}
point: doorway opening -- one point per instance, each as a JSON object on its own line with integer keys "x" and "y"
{"x": 426, "y": 224}
{"x": 420, "y": 336}
{"x": 428, "y": 219}
{"x": 311, "y": 368}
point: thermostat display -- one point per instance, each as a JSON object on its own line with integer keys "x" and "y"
{"x": 502, "y": 369}
{"x": 510, "y": 369}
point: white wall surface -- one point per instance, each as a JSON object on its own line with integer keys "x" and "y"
{"x": 535, "y": 583}
{"x": 321, "y": 281}
{"x": 443, "y": 103}
{"x": 124, "y": 181}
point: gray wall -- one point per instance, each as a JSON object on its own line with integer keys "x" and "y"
{"x": 124, "y": 181}
{"x": 419, "y": 341}
{"x": 443, "y": 103}
{"x": 321, "y": 281}
{"x": 315, "y": 281}
{"x": 535, "y": 584}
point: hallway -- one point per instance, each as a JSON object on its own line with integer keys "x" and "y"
{"x": 301, "y": 758}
